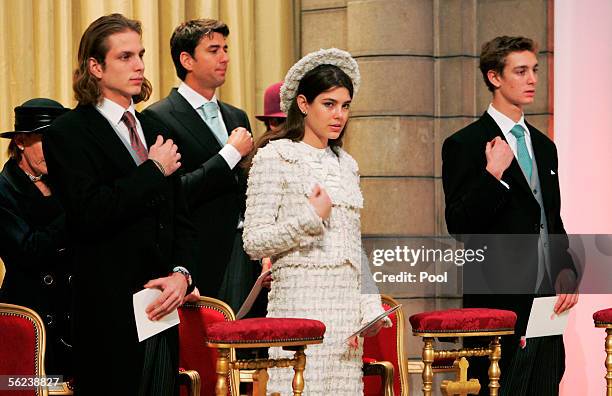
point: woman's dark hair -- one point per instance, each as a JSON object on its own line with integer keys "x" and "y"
{"x": 316, "y": 81}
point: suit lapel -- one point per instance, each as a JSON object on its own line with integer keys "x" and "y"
{"x": 514, "y": 171}
{"x": 149, "y": 129}
{"x": 105, "y": 136}
{"x": 543, "y": 160}
{"x": 229, "y": 120}
{"x": 193, "y": 123}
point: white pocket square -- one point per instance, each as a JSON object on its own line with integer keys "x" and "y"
{"x": 552, "y": 172}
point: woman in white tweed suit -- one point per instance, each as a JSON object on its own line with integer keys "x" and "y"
{"x": 303, "y": 204}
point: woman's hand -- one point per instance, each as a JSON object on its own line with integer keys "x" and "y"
{"x": 320, "y": 201}
{"x": 266, "y": 264}
{"x": 353, "y": 342}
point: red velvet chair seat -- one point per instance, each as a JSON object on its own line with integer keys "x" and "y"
{"x": 265, "y": 330}
{"x": 463, "y": 320}
{"x": 603, "y": 317}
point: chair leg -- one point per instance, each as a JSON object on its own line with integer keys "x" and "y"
{"x": 260, "y": 382}
{"x": 222, "y": 371}
{"x": 609, "y": 362}
{"x": 494, "y": 371}
{"x": 298, "y": 377}
{"x": 428, "y": 358}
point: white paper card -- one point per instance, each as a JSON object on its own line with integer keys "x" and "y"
{"x": 373, "y": 321}
{"x": 543, "y": 321}
{"x": 148, "y": 328}
{"x": 250, "y": 300}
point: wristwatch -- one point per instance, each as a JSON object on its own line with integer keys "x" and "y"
{"x": 185, "y": 272}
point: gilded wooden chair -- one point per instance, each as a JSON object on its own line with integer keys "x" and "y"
{"x": 466, "y": 322}
{"x": 385, "y": 366}
{"x": 194, "y": 354}
{"x": 291, "y": 334}
{"x": 603, "y": 319}
{"x": 22, "y": 350}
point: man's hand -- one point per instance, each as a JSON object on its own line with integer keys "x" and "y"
{"x": 166, "y": 154}
{"x": 565, "y": 302}
{"x": 499, "y": 157}
{"x": 566, "y": 285}
{"x": 242, "y": 140}
{"x": 320, "y": 201}
{"x": 173, "y": 289}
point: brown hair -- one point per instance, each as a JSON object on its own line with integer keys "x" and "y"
{"x": 494, "y": 53}
{"x": 316, "y": 81}
{"x": 94, "y": 44}
{"x": 187, "y": 36}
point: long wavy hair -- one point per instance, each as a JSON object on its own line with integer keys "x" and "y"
{"x": 316, "y": 81}
{"x": 94, "y": 44}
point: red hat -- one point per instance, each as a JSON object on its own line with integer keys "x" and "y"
{"x": 272, "y": 103}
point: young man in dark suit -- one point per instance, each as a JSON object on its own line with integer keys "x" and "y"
{"x": 214, "y": 137}
{"x": 114, "y": 175}
{"x": 502, "y": 191}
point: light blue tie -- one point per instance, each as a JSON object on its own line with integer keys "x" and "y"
{"x": 211, "y": 117}
{"x": 521, "y": 150}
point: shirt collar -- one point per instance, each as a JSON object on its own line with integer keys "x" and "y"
{"x": 113, "y": 111}
{"x": 504, "y": 122}
{"x": 195, "y": 99}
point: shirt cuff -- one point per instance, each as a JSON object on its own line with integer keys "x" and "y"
{"x": 230, "y": 155}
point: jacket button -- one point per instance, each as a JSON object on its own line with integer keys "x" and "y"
{"x": 161, "y": 226}
{"x": 48, "y": 279}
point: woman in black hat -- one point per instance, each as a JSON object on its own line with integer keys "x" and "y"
{"x": 34, "y": 246}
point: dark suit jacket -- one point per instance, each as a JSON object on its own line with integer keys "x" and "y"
{"x": 35, "y": 251}
{"x": 128, "y": 224}
{"x": 215, "y": 193}
{"x": 483, "y": 212}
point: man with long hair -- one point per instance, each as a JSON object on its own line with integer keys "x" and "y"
{"x": 115, "y": 176}
{"x": 214, "y": 137}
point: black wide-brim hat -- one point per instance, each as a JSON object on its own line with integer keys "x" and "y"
{"x": 35, "y": 116}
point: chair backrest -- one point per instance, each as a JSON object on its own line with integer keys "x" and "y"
{"x": 388, "y": 345}
{"x": 193, "y": 352}
{"x": 22, "y": 348}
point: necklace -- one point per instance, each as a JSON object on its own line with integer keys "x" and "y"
{"x": 34, "y": 178}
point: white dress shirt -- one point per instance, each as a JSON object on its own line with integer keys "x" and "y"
{"x": 229, "y": 153}
{"x": 113, "y": 112}
{"x": 506, "y": 124}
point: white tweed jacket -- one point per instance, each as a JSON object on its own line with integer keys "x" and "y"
{"x": 281, "y": 223}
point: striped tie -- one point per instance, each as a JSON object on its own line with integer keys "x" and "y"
{"x": 139, "y": 148}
